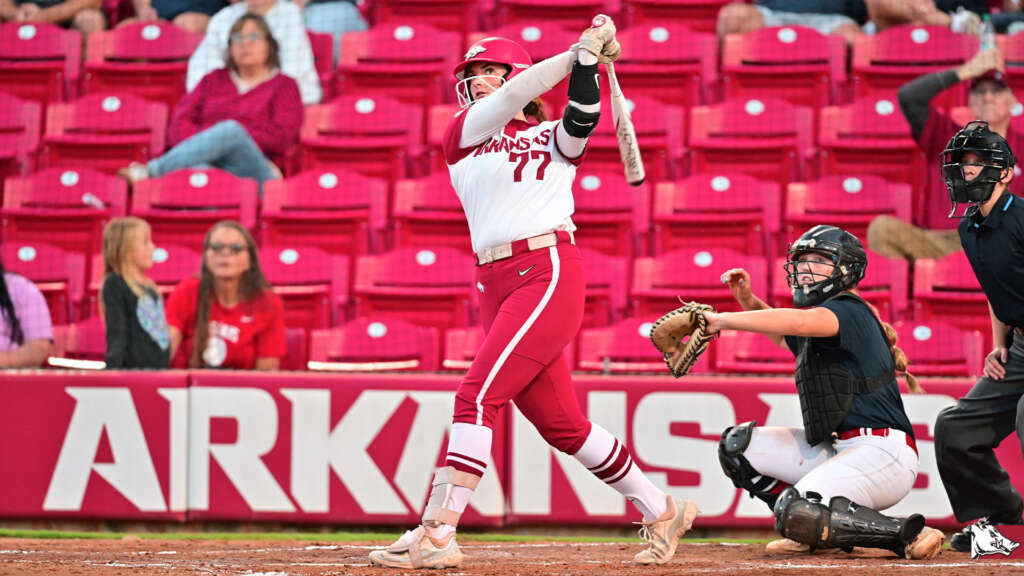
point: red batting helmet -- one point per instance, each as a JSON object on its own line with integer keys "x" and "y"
{"x": 497, "y": 50}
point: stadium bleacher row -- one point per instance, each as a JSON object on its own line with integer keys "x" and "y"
{"x": 745, "y": 148}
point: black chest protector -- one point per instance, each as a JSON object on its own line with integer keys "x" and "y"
{"x": 826, "y": 388}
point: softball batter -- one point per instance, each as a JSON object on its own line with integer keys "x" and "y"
{"x": 514, "y": 179}
{"x": 856, "y": 453}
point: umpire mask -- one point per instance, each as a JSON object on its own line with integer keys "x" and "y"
{"x": 849, "y": 262}
{"x": 990, "y": 151}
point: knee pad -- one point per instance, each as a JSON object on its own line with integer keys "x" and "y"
{"x": 735, "y": 440}
{"x": 800, "y": 519}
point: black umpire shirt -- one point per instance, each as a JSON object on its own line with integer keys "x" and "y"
{"x": 995, "y": 249}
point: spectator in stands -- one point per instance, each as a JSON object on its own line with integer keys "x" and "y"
{"x": 334, "y": 17}
{"x": 961, "y": 16}
{"x": 26, "y": 335}
{"x": 242, "y": 119}
{"x": 132, "y": 309}
{"x": 288, "y": 29}
{"x": 189, "y": 15}
{"x": 85, "y": 16}
{"x": 843, "y": 17}
{"x": 990, "y": 100}
{"x": 228, "y": 317}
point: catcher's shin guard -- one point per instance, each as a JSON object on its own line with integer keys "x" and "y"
{"x": 842, "y": 524}
{"x": 439, "y": 506}
{"x": 735, "y": 440}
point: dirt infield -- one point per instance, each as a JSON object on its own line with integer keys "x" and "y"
{"x": 135, "y": 556}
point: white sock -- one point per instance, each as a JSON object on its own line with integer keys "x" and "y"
{"x": 609, "y": 460}
{"x": 469, "y": 447}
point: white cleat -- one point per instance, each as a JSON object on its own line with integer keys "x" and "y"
{"x": 417, "y": 550}
{"x": 786, "y": 546}
{"x": 662, "y": 535}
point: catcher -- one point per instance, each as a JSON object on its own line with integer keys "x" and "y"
{"x": 855, "y": 454}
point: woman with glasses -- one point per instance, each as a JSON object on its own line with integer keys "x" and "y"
{"x": 228, "y": 317}
{"x": 242, "y": 118}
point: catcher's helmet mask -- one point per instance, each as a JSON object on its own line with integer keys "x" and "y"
{"x": 849, "y": 263}
{"x": 995, "y": 155}
{"x": 492, "y": 50}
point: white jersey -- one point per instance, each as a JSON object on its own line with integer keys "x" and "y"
{"x": 515, "y": 185}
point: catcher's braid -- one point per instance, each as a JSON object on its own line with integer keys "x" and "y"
{"x": 670, "y": 331}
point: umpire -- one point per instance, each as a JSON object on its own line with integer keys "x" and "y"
{"x": 977, "y": 166}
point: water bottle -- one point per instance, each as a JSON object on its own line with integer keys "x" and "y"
{"x": 988, "y": 33}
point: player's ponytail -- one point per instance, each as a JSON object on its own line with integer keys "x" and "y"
{"x": 899, "y": 358}
{"x": 536, "y": 110}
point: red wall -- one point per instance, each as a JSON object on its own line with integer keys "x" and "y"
{"x": 360, "y": 449}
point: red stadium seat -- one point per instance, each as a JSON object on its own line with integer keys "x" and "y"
{"x": 82, "y": 346}
{"x": 668, "y": 62}
{"x": 375, "y": 344}
{"x": 428, "y": 213}
{"x": 171, "y": 264}
{"x": 407, "y": 60}
{"x": 337, "y": 212}
{"x": 322, "y": 45}
{"x": 19, "y": 135}
{"x": 935, "y": 349}
{"x": 297, "y": 346}
{"x": 606, "y": 287}
{"x": 312, "y": 284}
{"x": 883, "y": 62}
{"x": 148, "y": 59}
{"x": 700, "y": 15}
{"x": 850, "y": 202}
{"x": 432, "y": 287}
{"x": 39, "y": 62}
{"x": 460, "y": 16}
{"x": 181, "y": 206}
{"x": 765, "y": 138}
{"x": 622, "y": 348}
{"x": 542, "y": 39}
{"x": 870, "y": 136}
{"x": 794, "y": 63}
{"x": 571, "y": 14}
{"x": 438, "y": 119}
{"x": 946, "y": 290}
{"x": 372, "y": 136}
{"x": 884, "y": 285}
{"x": 59, "y": 275}
{"x": 609, "y": 212}
{"x": 1011, "y": 46}
{"x": 734, "y": 211}
{"x": 659, "y": 132}
{"x": 691, "y": 274}
{"x": 66, "y": 208}
{"x": 460, "y": 347}
{"x": 750, "y": 353}
{"x": 104, "y": 131}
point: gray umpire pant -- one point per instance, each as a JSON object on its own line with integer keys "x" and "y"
{"x": 966, "y": 436}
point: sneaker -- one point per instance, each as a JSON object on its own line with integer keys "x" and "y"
{"x": 785, "y": 546}
{"x": 964, "y": 21}
{"x": 134, "y": 172}
{"x": 662, "y": 535}
{"x": 417, "y": 550}
{"x": 961, "y": 541}
{"x": 926, "y": 546}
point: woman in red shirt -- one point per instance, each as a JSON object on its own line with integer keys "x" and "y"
{"x": 228, "y": 317}
{"x": 242, "y": 118}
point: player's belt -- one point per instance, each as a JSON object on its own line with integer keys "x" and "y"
{"x": 847, "y": 434}
{"x": 502, "y": 251}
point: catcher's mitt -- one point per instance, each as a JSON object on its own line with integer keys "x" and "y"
{"x": 669, "y": 335}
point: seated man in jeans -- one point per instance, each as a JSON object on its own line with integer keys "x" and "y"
{"x": 843, "y": 17}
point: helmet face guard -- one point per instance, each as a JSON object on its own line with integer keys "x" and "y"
{"x": 494, "y": 50}
{"x": 849, "y": 263}
{"x": 992, "y": 154}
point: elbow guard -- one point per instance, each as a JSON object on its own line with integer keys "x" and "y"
{"x": 584, "y": 108}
